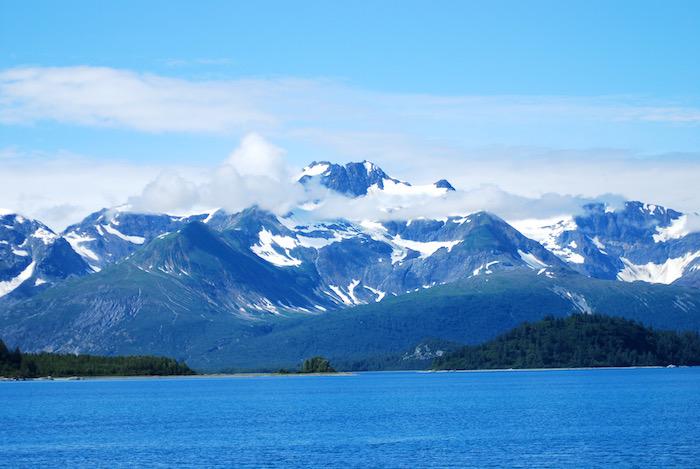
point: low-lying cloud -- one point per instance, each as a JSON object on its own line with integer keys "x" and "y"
{"x": 61, "y": 189}
{"x": 256, "y": 173}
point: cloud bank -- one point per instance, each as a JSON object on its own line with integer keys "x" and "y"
{"x": 415, "y": 137}
{"x": 257, "y": 173}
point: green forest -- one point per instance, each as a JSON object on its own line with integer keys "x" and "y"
{"x": 15, "y": 364}
{"x": 577, "y": 341}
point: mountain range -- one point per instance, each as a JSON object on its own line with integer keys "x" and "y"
{"x": 257, "y": 289}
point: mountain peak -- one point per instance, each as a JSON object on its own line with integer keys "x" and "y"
{"x": 352, "y": 179}
{"x": 359, "y": 178}
{"x": 444, "y": 184}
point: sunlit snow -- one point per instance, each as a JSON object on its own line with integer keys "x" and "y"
{"x": 531, "y": 260}
{"x": 9, "y": 285}
{"x": 132, "y": 239}
{"x": 76, "y": 241}
{"x": 266, "y": 249}
{"x": 666, "y": 273}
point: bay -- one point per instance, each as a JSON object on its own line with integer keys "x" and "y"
{"x": 556, "y": 418}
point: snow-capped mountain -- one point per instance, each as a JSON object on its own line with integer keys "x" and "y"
{"x": 109, "y": 235}
{"x": 339, "y": 263}
{"x": 637, "y": 242}
{"x": 210, "y": 283}
{"x": 364, "y": 261}
{"x": 32, "y": 257}
{"x": 358, "y": 179}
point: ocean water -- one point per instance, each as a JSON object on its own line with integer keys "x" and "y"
{"x": 584, "y": 418}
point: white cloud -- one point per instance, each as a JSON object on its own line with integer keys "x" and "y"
{"x": 96, "y": 96}
{"x": 664, "y": 179}
{"x": 60, "y": 189}
{"x": 256, "y": 173}
{"x": 257, "y": 157}
{"x": 417, "y": 137}
{"x": 101, "y": 96}
{"x": 490, "y": 198}
{"x": 167, "y": 193}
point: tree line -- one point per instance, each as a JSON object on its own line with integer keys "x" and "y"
{"x": 578, "y": 341}
{"x": 16, "y": 364}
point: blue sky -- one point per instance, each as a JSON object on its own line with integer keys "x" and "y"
{"x": 426, "y": 89}
{"x": 584, "y": 48}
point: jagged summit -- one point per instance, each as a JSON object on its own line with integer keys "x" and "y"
{"x": 359, "y": 178}
{"x": 352, "y": 179}
{"x": 32, "y": 257}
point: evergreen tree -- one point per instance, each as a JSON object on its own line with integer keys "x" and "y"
{"x": 317, "y": 365}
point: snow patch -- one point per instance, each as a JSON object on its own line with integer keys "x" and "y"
{"x": 533, "y": 262}
{"x": 399, "y": 188}
{"x": 132, "y": 239}
{"x": 577, "y": 300}
{"x": 461, "y": 221}
{"x": 547, "y": 232}
{"x": 598, "y": 244}
{"x": 351, "y": 291}
{"x": 10, "y": 285}
{"x": 318, "y": 242}
{"x": 75, "y": 240}
{"x": 210, "y": 215}
{"x": 425, "y": 248}
{"x": 265, "y": 249}
{"x": 380, "y": 294}
{"x": 314, "y": 170}
{"x": 485, "y": 268}
{"x": 343, "y": 297}
{"x": 665, "y": 273}
{"x": 44, "y": 235}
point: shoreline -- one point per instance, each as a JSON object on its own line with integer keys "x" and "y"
{"x": 197, "y": 376}
{"x": 340, "y": 373}
{"x": 584, "y": 368}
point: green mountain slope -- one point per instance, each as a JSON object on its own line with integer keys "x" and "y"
{"x": 127, "y": 310}
{"x": 467, "y": 312}
{"x": 183, "y": 290}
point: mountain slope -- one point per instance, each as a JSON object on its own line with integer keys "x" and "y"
{"x": 469, "y": 312}
{"x": 167, "y": 316}
{"x": 32, "y": 257}
{"x": 109, "y": 235}
{"x": 637, "y": 242}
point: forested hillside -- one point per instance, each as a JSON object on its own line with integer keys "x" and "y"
{"x": 578, "y": 341}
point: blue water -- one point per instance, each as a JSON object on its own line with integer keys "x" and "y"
{"x": 645, "y": 417}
